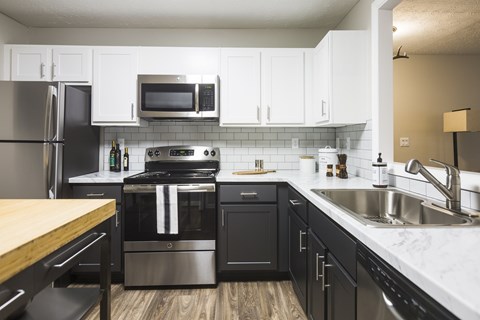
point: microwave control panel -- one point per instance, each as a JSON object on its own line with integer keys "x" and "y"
{"x": 207, "y": 97}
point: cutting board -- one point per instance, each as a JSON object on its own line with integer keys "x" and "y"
{"x": 253, "y": 172}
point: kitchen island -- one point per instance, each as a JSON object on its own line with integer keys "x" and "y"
{"x": 39, "y": 241}
{"x": 440, "y": 260}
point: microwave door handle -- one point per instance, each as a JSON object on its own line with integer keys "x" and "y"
{"x": 197, "y": 106}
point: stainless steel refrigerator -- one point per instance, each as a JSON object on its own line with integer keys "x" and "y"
{"x": 45, "y": 138}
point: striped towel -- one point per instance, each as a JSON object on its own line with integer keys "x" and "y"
{"x": 167, "y": 209}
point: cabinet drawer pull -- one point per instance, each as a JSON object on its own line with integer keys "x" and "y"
{"x": 54, "y": 66}
{"x": 317, "y": 258}
{"x": 42, "y": 70}
{"x": 131, "y": 110}
{"x": 223, "y": 218}
{"x": 18, "y": 294}
{"x": 60, "y": 265}
{"x": 301, "y": 247}
{"x": 95, "y": 195}
{"x": 324, "y": 275}
{"x": 295, "y": 202}
{"x": 248, "y": 194}
{"x": 117, "y": 218}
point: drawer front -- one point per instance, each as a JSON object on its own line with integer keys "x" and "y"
{"x": 98, "y": 192}
{"x": 246, "y": 193}
{"x": 15, "y": 294}
{"x": 342, "y": 245}
{"x": 63, "y": 259}
{"x": 297, "y": 203}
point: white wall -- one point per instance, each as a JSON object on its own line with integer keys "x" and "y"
{"x": 12, "y": 31}
{"x": 301, "y": 38}
{"x": 359, "y": 156}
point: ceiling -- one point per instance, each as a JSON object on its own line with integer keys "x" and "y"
{"x": 437, "y": 26}
{"x": 216, "y": 14}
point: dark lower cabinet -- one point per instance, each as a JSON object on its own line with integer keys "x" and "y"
{"x": 341, "y": 292}
{"x": 317, "y": 253}
{"x": 298, "y": 256}
{"x": 247, "y": 237}
{"x": 89, "y": 263}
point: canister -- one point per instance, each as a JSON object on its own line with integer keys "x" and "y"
{"x": 307, "y": 164}
{"x": 326, "y": 156}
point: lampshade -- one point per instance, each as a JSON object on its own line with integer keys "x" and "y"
{"x": 467, "y": 120}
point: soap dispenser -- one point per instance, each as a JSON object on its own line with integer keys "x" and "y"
{"x": 380, "y": 173}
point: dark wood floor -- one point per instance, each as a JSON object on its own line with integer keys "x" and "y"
{"x": 229, "y": 301}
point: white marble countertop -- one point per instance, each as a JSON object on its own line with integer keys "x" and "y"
{"x": 443, "y": 261}
{"x": 103, "y": 177}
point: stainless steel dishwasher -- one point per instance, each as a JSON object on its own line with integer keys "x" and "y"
{"x": 384, "y": 294}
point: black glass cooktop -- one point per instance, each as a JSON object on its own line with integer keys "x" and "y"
{"x": 172, "y": 177}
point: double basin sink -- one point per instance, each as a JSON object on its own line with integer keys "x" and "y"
{"x": 393, "y": 208}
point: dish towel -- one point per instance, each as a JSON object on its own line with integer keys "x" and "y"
{"x": 167, "y": 209}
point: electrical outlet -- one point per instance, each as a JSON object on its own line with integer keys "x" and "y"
{"x": 294, "y": 143}
{"x": 347, "y": 143}
{"x": 337, "y": 143}
{"x": 404, "y": 142}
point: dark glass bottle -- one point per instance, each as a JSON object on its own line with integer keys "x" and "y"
{"x": 111, "y": 159}
{"x": 126, "y": 160}
{"x": 118, "y": 158}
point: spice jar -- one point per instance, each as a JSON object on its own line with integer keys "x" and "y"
{"x": 329, "y": 170}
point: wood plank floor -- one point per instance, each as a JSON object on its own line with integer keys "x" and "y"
{"x": 229, "y": 301}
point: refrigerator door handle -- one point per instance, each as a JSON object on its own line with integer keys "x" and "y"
{"x": 47, "y": 170}
{"x": 49, "y": 133}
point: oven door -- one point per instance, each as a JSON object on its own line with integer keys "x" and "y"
{"x": 196, "y": 213}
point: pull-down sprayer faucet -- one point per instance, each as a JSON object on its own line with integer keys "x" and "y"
{"x": 451, "y": 191}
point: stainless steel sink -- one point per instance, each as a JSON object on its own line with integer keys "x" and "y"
{"x": 393, "y": 208}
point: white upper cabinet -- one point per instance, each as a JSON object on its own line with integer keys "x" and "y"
{"x": 71, "y": 64}
{"x": 114, "y": 88}
{"x": 48, "y": 63}
{"x": 341, "y": 74}
{"x": 262, "y": 87}
{"x": 178, "y": 60}
{"x": 283, "y": 83}
{"x": 240, "y": 87}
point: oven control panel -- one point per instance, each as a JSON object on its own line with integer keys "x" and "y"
{"x": 182, "y": 153}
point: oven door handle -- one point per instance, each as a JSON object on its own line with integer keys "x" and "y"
{"x": 152, "y": 188}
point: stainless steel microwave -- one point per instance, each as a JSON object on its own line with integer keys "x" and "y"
{"x": 194, "y": 97}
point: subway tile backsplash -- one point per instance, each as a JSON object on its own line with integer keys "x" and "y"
{"x": 239, "y": 147}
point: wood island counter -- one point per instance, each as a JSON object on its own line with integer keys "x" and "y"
{"x": 40, "y": 239}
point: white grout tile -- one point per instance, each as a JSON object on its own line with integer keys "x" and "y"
{"x": 272, "y": 144}
{"x": 475, "y": 200}
{"x": 419, "y": 187}
{"x": 465, "y": 197}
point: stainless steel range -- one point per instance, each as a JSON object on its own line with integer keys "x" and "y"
{"x": 170, "y": 218}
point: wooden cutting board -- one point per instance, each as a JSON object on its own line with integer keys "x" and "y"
{"x": 252, "y": 172}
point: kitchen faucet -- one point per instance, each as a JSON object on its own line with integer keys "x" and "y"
{"x": 451, "y": 191}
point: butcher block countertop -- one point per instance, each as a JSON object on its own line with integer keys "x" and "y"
{"x": 32, "y": 229}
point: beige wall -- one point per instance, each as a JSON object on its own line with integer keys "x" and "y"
{"x": 426, "y": 86}
{"x": 305, "y": 38}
